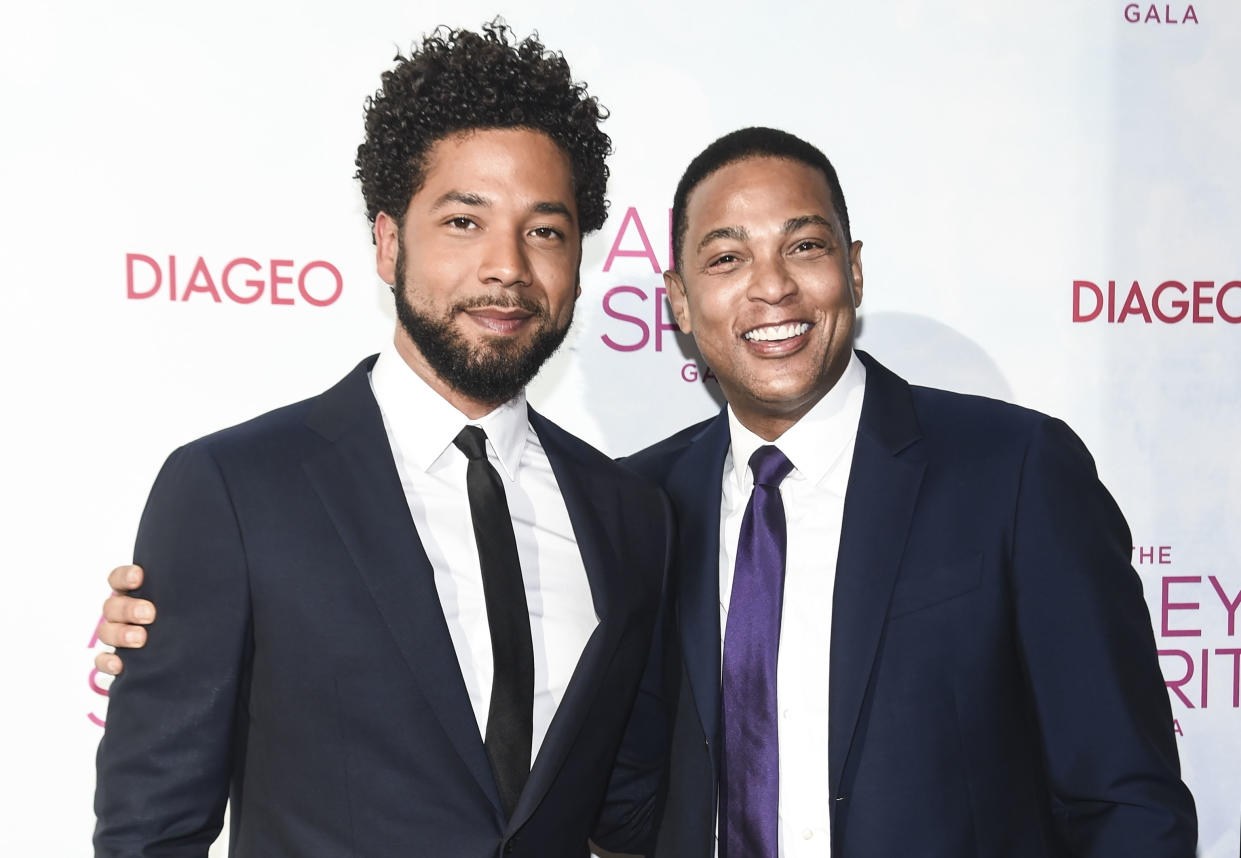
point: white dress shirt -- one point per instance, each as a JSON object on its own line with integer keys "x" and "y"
{"x": 820, "y": 446}
{"x": 421, "y": 426}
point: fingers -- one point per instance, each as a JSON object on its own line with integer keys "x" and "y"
{"x": 124, "y": 618}
{"x": 122, "y": 634}
{"x": 109, "y": 663}
{"x": 119, "y": 608}
{"x": 125, "y": 578}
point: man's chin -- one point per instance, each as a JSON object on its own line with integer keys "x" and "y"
{"x": 781, "y": 395}
{"x": 483, "y": 365}
{"x": 498, "y": 349}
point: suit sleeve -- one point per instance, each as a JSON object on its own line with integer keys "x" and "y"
{"x": 164, "y": 764}
{"x": 1089, "y": 651}
{"x": 632, "y": 808}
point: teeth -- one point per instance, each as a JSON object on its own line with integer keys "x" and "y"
{"x": 777, "y": 332}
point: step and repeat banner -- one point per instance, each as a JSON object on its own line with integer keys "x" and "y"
{"x": 1047, "y": 193}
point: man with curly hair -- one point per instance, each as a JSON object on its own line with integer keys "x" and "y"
{"x": 489, "y": 582}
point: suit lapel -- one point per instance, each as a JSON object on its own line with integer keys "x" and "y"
{"x": 694, "y": 487}
{"x": 879, "y": 505}
{"x": 598, "y": 526}
{"x": 357, "y": 482}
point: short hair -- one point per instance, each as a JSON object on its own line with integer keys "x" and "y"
{"x": 740, "y": 145}
{"x": 460, "y": 80}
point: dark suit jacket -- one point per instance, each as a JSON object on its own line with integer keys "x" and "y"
{"x": 994, "y": 687}
{"x": 301, "y": 656}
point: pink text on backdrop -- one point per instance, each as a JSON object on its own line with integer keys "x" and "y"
{"x": 618, "y": 298}
{"x": 1147, "y": 554}
{"x": 1171, "y": 627}
{"x": 692, "y": 372}
{"x": 242, "y": 280}
{"x": 92, "y": 677}
{"x": 1170, "y": 302}
{"x": 1172, "y": 13}
{"x": 1222, "y": 657}
{"x": 631, "y": 231}
{"x": 1183, "y": 599}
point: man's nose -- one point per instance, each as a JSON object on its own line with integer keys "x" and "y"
{"x": 505, "y": 261}
{"x": 770, "y": 280}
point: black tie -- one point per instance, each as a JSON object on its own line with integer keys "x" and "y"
{"x": 510, "y": 718}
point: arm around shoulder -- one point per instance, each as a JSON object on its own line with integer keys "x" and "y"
{"x": 165, "y": 761}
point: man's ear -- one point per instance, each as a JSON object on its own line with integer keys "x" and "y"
{"x": 675, "y": 288}
{"x": 387, "y": 245}
{"x": 855, "y": 268}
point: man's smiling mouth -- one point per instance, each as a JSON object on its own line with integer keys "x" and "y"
{"x": 774, "y": 333}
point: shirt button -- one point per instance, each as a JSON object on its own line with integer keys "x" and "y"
{"x": 807, "y": 833}
{"x": 787, "y": 713}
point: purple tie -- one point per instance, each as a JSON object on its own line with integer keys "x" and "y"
{"x": 750, "y": 774}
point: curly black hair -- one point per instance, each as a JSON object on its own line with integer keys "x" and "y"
{"x": 458, "y": 80}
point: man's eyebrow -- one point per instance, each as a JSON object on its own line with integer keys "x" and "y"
{"x": 736, "y": 233}
{"x": 795, "y": 223}
{"x": 551, "y": 207}
{"x": 464, "y": 198}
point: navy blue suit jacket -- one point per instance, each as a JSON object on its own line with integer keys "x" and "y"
{"x": 301, "y": 658}
{"x": 994, "y": 687}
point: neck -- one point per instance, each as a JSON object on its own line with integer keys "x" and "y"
{"x": 768, "y": 426}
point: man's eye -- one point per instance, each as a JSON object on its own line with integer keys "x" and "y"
{"x": 461, "y": 222}
{"x": 803, "y": 246}
{"x": 726, "y": 259}
{"x": 546, "y": 232}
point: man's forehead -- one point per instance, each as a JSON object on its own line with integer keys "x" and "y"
{"x": 476, "y": 167}
{"x": 775, "y": 189}
{"x": 519, "y": 142}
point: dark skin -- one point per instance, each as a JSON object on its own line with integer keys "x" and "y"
{"x": 495, "y": 218}
{"x": 768, "y": 288}
{"x": 124, "y": 618}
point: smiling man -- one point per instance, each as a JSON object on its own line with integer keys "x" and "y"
{"x": 907, "y": 620}
{"x": 906, "y": 624}
{"x": 478, "y": 587}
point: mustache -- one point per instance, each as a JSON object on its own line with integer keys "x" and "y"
{"x": 502, "y": 301}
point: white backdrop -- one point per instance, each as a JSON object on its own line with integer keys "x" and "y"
{"x": 991, "y": 157}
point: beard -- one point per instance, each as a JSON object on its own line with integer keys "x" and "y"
{"x": 493, "y": 371}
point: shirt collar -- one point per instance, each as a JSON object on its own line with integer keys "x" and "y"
{"x": 814, "y": 444}
{"x": 425, "y": 423}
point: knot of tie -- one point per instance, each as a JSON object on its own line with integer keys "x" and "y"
{"x": 472, "y": 441}
{"x": 769, "y": 466}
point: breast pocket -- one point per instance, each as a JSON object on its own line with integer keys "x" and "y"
{"x": 927, "y": 586}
